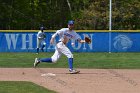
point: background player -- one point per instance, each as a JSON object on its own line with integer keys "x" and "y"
{"x": 65, "y": 35}
{"x": 41, "y": 39}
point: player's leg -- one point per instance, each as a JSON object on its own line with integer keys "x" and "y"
{"x": 37, "y": 50}
{"x": 69, "y": 55}
{"x": 42, "y": 48}
{"x": 38, "y": 45}
{"x": 53, "y": 59}
{"x": 63, "y": 49}
{"x": 43, "y": 45}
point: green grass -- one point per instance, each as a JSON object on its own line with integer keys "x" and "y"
{"x": 81, "y": 60}
{"x": 21, "y": 87}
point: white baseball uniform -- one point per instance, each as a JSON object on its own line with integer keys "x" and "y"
{"x": 40, "y": 39}
{"x": 61, "y": 48}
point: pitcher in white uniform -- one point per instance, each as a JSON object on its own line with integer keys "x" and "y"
{"x": 65, "y": 35}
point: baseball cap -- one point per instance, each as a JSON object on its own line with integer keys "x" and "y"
{"x": 71, "y": 22}
{"x": 42, "y": 28}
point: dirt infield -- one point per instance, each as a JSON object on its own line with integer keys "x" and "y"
{"x": 88, "y": 81}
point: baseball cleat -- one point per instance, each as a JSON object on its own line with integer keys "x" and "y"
{"x": 72, "y": 71}
{"x": 36, "y": 62}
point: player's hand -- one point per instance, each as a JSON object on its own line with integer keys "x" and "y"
{"x": 39, "y": 37}
{"x": 82, "y": 41}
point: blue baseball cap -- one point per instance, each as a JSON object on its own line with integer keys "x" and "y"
{"x": 71, "y": 22}
{"x": 42, "y": 28}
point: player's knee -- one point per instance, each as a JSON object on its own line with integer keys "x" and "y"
{"x": 70, "y": 56}
{"x": 54, "y": 60}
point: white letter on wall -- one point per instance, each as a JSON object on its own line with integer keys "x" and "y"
{"x": 11, "y": 39}
{"x": 25, "y": 41}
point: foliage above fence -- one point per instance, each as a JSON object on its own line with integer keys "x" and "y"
{"x": 54, "y": 14}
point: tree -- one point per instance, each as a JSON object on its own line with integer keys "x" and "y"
{"x": 54, "y": 14}
{"x": 94, "y": 17}
{"x": 125, "y": 15}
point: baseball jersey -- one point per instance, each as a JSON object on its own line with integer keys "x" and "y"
{"x": 40, "y": 35}
{"x": 66, "y": 33}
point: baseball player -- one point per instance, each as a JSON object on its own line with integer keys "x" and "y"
{"x": 41, "y": 39}
{"x": 65, "y": 35}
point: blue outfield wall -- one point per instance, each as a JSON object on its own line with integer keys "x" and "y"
{"x": 101, "y": 42}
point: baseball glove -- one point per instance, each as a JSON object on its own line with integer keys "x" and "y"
{"x": 87, "y": 40}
